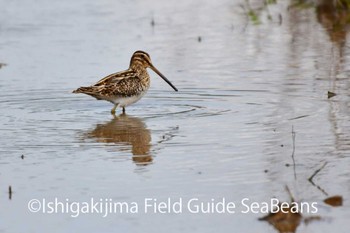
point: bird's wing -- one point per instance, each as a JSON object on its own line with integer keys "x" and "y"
{"x": 116, "y": 77}
{"x": 123, "y": 87}
{"x": 125, "y": 83}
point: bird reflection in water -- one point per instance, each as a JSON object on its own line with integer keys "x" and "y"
{"x": 126, "y": 131}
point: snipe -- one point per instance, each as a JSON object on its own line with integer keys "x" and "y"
{"x": 125, "y": 87}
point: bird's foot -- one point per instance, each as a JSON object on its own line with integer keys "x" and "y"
{"x": 113, "y": 109}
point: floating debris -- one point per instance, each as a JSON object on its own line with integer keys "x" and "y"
{"x": 331, "y": 94}
{"x": 334, "y": 201}
{"x": 10, "y": 192}
{"x": 284, "y": 220}
{"x": 2, "y": 64}
{"x": 287, "y": 218}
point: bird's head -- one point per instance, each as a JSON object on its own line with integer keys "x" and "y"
{"x": 141, "y": 57}
{"x": 144, "y": 58}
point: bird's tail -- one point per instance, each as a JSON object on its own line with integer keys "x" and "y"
{"x": 85, "y": 90}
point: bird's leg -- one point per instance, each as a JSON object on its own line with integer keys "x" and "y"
{"x": 113, "y": 109}
{"x": 123, "y": 110}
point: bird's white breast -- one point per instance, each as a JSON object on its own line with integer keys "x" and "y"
{"x": 125, "y": 101}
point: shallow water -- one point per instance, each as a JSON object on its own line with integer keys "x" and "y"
{"x": 227, "y": 133}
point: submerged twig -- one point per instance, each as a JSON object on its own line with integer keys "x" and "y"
{"x": 293, "y": 152}
{"x": 313, "y": 175}
{"x": 10, "y": 192}
{"x": 292, "y": 199}
{"x": 316, "y": 172}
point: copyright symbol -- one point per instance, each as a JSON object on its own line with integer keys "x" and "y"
{"x": 34, "y": 205}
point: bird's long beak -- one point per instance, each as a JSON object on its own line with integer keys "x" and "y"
{"x": 162, "y": 76}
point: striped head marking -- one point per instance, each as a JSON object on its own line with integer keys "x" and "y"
{"x": 143, "y": 57}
